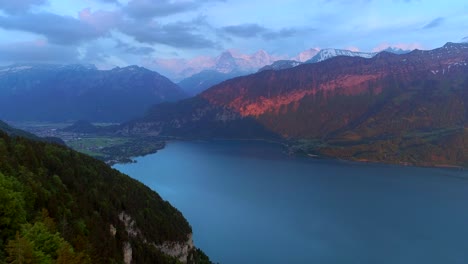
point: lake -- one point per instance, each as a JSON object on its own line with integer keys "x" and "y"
{"x": 248, "y": 202}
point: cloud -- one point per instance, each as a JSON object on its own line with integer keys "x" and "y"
{"x": 256, "y": 30}
{"x": 19, "y": 6}
{"x": 36, "y": 51}
{"x": 403, "y": 46}
{"x": 62, "y": 29}
{"x": 178, "y": 34}
{"x": 100, "y": 20}
{"x": 130, "y": 49}
{"x": 280, "y": 34}
{"x": 244, "y": 30}
{"x": 158, "y": 8}
{"x": 465, "y": 39}
{"x": 91, "y": 25}
{"x": 434, "y": 23}
{"x": 145, "y": 9}
{"x": 109, "y": 1}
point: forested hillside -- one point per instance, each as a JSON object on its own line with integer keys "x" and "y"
{"x": 60, "y": 206}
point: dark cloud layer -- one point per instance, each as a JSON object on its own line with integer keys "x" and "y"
{"x": 57, "y": 29}
{"x": 255, "y": 30}
{"x": 434, "y": 23}
{"x": 37, "y": 51}
{"x": 245, "y": 30}
{"x": 144, "y": 9}
{"x": 92, "y": 25}
{"x": 134, "y": 20}
{"x": 149, "y": 8}
{"x": 283, "y": 33}
{"x": 130, "y": 49}
{"x": 19, "y": 6}
{"x": 178, "y": 34}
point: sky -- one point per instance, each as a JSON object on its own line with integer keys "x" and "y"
{"x": 158, "y": 33}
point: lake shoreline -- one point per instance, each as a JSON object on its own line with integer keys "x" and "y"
{"x": 273, "y": 208}
{"x": 288, "y": 148}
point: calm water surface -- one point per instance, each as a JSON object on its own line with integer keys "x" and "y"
{"x": 249, "y": 203}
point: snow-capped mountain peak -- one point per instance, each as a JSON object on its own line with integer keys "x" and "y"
{"x": 325, "y": 54}
{"x": 225, "y": 63}
{"x": 306, "y": 55}
{"x": 395, "y": 50}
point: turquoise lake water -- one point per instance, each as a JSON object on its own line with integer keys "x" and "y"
{"x": 248, "y": 202}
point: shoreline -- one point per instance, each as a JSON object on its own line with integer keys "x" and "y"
{"x": 284, "y": 144}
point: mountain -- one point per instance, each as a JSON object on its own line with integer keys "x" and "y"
{"x": 199, "y": 82}
{"x": 252, "y": 63}
{"x": 225, "y": 67}
{"x": 306, "y": 55}
{"x": 326, "y": 54}
{"x": 280, "y": 65}
{"x": 396, "y": 50}
{"x": 228, "y": 63}
{"x": 225, "y": 63}
{"x": 60, "y": 206}
{"x": 408, "y": 108}
{"x": 316, "y": 55}
{"x": 195, "y": 118}
{"x": 228, "y": 67}
{"x": 74, "y": 92}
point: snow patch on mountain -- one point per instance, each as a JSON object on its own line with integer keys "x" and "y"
{"x": 326, "y": 54}
{"x": 281, "y": 65}
{"x": 306, "y": 55}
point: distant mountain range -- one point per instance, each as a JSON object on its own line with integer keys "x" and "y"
{"x": 42, "y": 92}
{"x": 225, "y": 66}
{"x": 228, "y": 67}
{"x": 199, "y": 82}
{"x": 281, "y": 65}
{"x": 325, "y": 54}
{"x": 408, "y": 108}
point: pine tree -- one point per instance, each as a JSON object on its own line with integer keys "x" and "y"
{"x": 20, "y": 251}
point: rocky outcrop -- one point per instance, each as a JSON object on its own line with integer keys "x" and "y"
{"x": 127, "y": 253}
{"x": 179, "y": 250}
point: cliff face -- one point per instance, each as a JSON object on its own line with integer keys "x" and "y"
{"x": 181, "y": 250}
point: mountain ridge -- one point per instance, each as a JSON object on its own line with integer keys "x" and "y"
{"x": 73, "y": 92}
{"x": 348, "y": 100}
